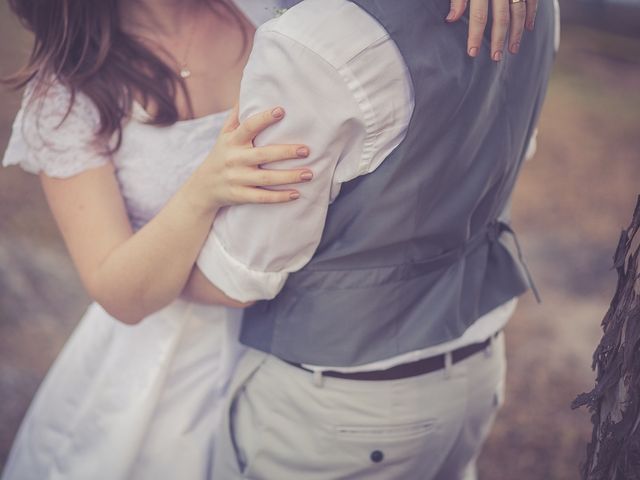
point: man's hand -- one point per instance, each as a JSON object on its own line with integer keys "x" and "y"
{"x": 505, "y": 13}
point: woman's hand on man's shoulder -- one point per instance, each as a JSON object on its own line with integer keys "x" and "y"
{"x": 508, "y": 17}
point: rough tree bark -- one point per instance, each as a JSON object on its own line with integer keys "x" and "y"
{"x": 614, "y": 450}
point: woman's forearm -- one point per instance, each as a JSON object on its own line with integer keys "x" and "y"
{"x": 199, "y": 289}
{"x": 150, "y": 269}
{"x": 134, "y": 274}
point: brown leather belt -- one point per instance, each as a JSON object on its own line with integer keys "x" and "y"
{"x": 408, "y": 370}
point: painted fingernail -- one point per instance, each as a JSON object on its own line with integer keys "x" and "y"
{"x": 515, "y": 48}
{"x": 302, "y": 152}
{"x": 306, "y": 176}
{"x": 294, "y": 195}
{"x": 451, "y": 15}
{"x": 497, "y": 56}
{"x": 473, "y": 51}
{"x": 277, "y": 112}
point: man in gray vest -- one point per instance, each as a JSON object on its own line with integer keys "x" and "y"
{"x": 379, "y": 353}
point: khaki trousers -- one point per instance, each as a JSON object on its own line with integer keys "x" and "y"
{"x": 282, "y": 424}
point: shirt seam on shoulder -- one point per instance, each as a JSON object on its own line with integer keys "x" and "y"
{"x": 301, "y": 45}
{"x": 383, "y": 36}
{"x": 359, "y": 97}
{"x": 368, "y": 114}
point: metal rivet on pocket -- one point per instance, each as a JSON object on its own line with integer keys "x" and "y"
{"x": 377, "y": 456}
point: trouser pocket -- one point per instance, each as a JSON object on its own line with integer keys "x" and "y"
{"x": 247, "y": 432}
{"x": 231, "y": 454}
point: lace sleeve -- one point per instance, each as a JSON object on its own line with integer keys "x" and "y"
{"x": 48, "y": 138}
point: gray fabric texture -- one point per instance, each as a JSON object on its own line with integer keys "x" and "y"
{"x": 412, "y": 254}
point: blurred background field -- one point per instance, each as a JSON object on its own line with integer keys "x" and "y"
{"x": 570, "y": 205}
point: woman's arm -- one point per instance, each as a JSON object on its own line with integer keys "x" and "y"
{"x": 130, "y": 275}
{"x": 134, "y": 274}
{"x": 200, "y": 290}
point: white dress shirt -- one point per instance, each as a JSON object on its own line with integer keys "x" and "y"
{"x": 347, "y": 94}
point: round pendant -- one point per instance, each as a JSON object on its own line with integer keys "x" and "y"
{"x": 185, "y": 72}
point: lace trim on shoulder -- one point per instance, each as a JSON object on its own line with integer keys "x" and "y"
{"x": 50, "y": 137}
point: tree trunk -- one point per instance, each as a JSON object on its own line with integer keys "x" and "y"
{"x": 614, "y": 450}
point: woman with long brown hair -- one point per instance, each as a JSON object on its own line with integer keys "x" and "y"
{"x": 122, "y": 106}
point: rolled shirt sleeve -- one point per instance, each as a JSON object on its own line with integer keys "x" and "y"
{"x": 252, "y": 248}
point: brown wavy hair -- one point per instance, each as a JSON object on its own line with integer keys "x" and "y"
{"x": 81, "y": 44}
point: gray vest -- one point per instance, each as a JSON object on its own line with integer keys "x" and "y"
{"x": 387, "y": 280}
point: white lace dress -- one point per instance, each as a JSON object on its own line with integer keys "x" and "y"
{"x": 139, "y": 402}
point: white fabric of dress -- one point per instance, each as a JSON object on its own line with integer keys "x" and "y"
{"x": 126, "y": 402}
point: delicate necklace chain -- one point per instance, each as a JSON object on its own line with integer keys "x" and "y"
{"x": 184, "y": 70}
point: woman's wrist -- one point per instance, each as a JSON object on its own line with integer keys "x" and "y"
{"x": 196, "y": 199}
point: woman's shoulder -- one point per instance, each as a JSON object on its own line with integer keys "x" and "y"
{"x": 55, "y": 132}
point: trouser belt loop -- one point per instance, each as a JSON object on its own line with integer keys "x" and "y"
{"x": 448, "y": 363}
{"x": 489, "y": 350}
{"x": 317, "y": 378}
